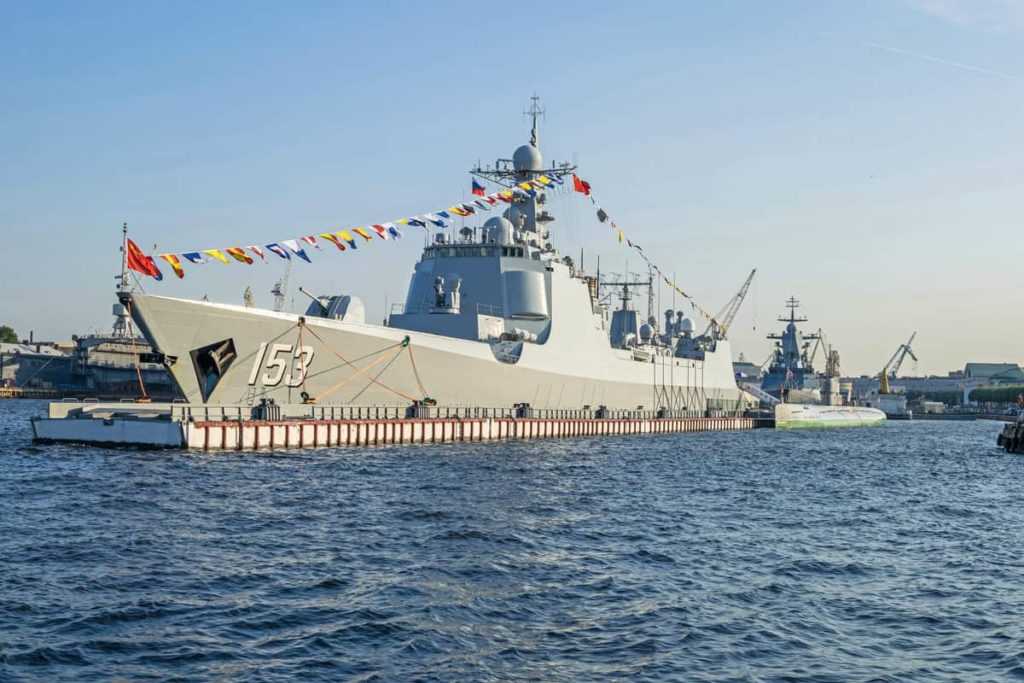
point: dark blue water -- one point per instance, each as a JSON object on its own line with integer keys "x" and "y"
{"x": 885, "y": 554}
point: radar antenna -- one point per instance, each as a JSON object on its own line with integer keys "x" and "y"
{"x": 792, "y": 304}
{"x": 631, "y": 280}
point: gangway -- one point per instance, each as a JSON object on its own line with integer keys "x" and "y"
{"x": 758, "y": 393}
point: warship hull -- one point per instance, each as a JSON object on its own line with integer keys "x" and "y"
{"x": 801, "y": 416}
{"x": 282, "y": 356}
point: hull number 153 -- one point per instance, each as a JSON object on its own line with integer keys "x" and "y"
{"x": 279, "y": 358}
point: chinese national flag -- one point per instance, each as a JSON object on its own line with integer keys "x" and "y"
{"x": 141, "y": 263}
{"x": 580, "y": 185}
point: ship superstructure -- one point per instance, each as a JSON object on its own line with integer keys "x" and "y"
{"x": 494, "y": 316}
{"x": 791, "y": 371}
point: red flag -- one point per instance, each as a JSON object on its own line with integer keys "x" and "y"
{"x": 580, "y": 185}
{"x": 478, "y": 189}
{"x": 141, "y": 263}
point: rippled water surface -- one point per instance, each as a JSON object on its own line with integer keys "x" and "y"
{"x": 884, "y": 554}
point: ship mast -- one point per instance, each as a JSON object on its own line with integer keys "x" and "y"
{"x": 534, "y": 112}
{"x": 122, "y": 279}
{"x": 526, "y": 211}
{"x": 503, "y": 172}
{"x": 123, "y": 328}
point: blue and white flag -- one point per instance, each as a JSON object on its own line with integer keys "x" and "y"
{"x": 293, "y": 246}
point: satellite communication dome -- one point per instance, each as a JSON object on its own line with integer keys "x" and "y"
{"x": 646, "y": 331}
{"x": 499, "y": 230}
{"x": 686, "y": 326}
{"x": 516, "y": 216}
{"x": 527, "y": 158}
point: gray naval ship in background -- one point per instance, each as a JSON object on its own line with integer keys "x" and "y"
{"x": 111, "y": 366}
{"x": 807, "y": 398}
{"x": 494, "y": 317}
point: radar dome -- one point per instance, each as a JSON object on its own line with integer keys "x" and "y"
{"x": 646, "y": 331}
{"x": 499, "y": 230}
{"x": 516, "y": 216}
{"x": 686, "y": 326}
{"x": 527, "y": 158}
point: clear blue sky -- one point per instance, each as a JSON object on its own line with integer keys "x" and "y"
{"x": 866, "y": 157}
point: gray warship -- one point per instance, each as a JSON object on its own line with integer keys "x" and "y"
{"x": 113, "y": 365}
{"x": 791, "y": 375}
{"x": 806, "y": 397}
{"x": 494, "y": 317}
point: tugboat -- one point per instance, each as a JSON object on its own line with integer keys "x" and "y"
{"x": 1012, "y": 436}
{"x": 807, "y": 398}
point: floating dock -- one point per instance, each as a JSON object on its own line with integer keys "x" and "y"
{"x": 245, "y": 428}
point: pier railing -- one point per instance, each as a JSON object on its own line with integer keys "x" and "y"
{"x": 206, "y": 413}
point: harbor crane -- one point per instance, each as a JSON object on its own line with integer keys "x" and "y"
{"x": 831, "y": 355}
{"x": 719, "y": 327}
{"x": 280, "y": 288}
{"x": 895, "y": 363}
{"x": 818, "y": 342}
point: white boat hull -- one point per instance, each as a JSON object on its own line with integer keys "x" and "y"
{"x": 799, "y": 416}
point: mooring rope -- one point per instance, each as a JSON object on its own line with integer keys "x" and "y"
{"x": 382, "y": 371}
{"x": 415, "y": 372}
{"x": 138, "y": 370}
{"x": 359, "y": 371}
{"x": 302, "y": 357}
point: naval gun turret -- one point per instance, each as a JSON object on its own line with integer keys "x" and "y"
{"x": 335, "y": 307}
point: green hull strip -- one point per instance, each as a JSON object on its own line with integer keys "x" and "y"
{"x": 824, "y": 424}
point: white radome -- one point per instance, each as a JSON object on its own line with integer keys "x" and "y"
{"x": 527, "y": 158}
{"x": 499, "y": 230}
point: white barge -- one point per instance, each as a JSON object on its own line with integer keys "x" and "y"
{"x": 241, "y": 428}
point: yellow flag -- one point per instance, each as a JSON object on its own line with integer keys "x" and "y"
{"x": 544, "y": 180}
{"x": 621, "y": 237}
{"x": 362, "y": 233}
{"x": 402, "y": 221}
{"x": 217, "y": 254}
{"x": 239, "y": 255}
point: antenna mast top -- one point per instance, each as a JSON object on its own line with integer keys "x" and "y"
{"x": 534, "y": 111}
{"x": 122, "y": 279}
{"x": 792, "y": 304}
